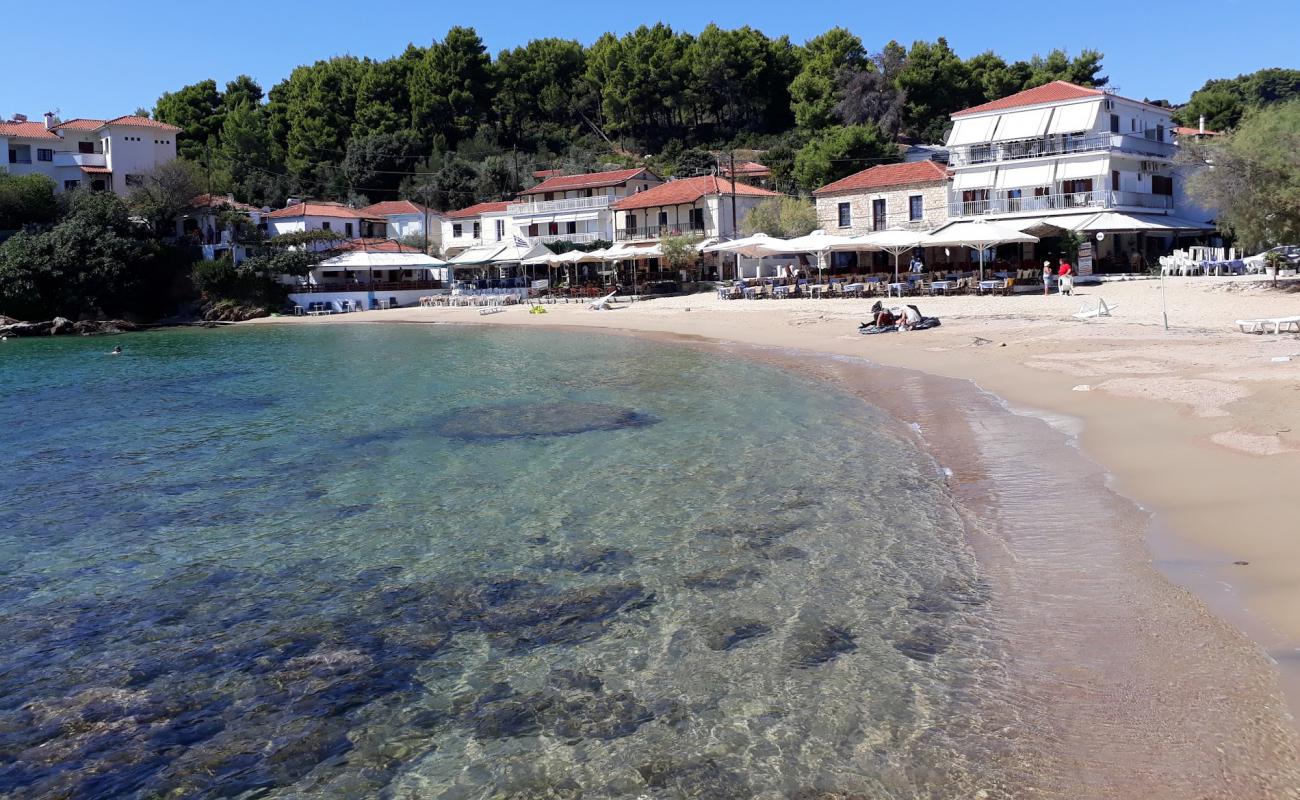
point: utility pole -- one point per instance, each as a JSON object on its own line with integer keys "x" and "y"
{"x": 731, "y": 153}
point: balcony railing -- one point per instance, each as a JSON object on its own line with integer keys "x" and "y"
{"x": 658, "y": 232}
{"x": 1058, "y": 202}
{"x": 80, "y": 160}
{"x": 576, "y": 238}
{"x": 551, "y": 206}
{"x": 994, "y": 152}
{"x": 360, "y": 286}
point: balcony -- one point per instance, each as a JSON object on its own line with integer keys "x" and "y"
{"x": 657, "y": 232}
{"x": 576, "y": 238}
{"x": 596, "y": 203}
{"x": 994, "y": 152}
{"x": 80, "y": 160}
{"x": 1059, "y": 202}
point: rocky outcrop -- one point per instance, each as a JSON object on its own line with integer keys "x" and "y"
{"x": 62, "y": 326}
{"x": 227, "y": 311}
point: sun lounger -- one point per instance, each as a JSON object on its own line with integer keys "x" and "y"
{"x": 1262, "y": 325}
{"x": 1102, "y": 310}
{"x": 603, "y": 303}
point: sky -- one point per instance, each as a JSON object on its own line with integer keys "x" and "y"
{"x": 131, "y": 51}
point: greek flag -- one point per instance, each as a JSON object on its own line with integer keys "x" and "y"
{"x": 521, "y": 241}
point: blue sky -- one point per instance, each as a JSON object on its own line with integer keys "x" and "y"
{"x": 130, "y": 51}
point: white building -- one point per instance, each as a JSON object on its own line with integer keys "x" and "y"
{"x": 482, "y": 223}
{"x": 405, "y": 221}
{"x": 1055, "y": 157}
{"x": 694, "y": 206}
{"x": 113, "y": 155}
{"x": 576, "y": 208}
{"x": 314, "y": 215}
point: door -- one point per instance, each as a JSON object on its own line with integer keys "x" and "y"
{"x": 878, "y": 214}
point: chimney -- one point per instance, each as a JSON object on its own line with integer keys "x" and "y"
{"x": 20, "y": 117}
{"x": 50, "y": 120}
{"x": 1202, "y": 123}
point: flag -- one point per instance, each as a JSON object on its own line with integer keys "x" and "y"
{"x": 521, "y": 242}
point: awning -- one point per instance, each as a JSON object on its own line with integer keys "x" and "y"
{"x": 973, "y": 179}
{"x": 1025, "y": 176}
{"x": 971, "y": 131}
{"x": 1083, "y": 168}
{"x": 96, "y": 170}
{"x": 1022, "y": 124}
{"x": 1074, "y": 118}
{"x": 1114, "y": 221}
{"x": 361, "y": 259}
{"x": 482, "y": 254}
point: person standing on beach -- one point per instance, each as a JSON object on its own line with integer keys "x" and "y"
{"x": 1066, "y": 277}
{"x": 1047, "y": 277}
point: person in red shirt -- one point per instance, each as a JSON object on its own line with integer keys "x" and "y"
{"x": 1066, "y": 277}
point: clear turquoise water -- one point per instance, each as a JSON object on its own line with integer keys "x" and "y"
{"x": 287, "y": 561}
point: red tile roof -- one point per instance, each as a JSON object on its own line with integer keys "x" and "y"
{"x": 1053, "y": 92}
{"x": 477, "y": 209}
{"x": 29, "y": 130}
{"x": 316, "y": 209}
{"x": 884, "y": 175}
{"x": 81, "y": 124}
{"x": 1184, "y": 131}
{"x": 376, "y": 246}
{"x": 686, "y": 190}
{"x": 97, "y": 170}
{"x": 394, "y": 207}
{"x": 141, "y": 122}
{"x": 591, "y": 180}
{"x": 752, "y": 169}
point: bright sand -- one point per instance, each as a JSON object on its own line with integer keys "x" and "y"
{"x": 1197, "y": 423}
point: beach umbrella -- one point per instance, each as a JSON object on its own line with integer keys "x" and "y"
{"x": 894, "y": 242}
{"x": 819, "y": 243}
{"x": 978, "y": 235}
{"x": 756, "y": 246}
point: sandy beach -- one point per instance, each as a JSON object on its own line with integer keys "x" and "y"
{"x": 1195, "y": 424}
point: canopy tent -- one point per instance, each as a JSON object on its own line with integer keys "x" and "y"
{"x": 818, "y": 243}
{"x": 894, "y": 242}
{"x": 977, "y": 235}
{"x": 755, "y": 246}
{"x": 1115, "y": 221}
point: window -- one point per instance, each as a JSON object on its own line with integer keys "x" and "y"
{"x": 845, "y": 215}
{"x": 44, "y": 155}
{"x": 97, "y": 185}
{"x": 663, "y": 218}
{"x": 1013, "y": 199}
{"x": 456, "y": 230}
{"x": 501, "y": 229}
{"x": 70, "y": 185}
{"x": 1133, "y": 125}
{"x": 1114, "y": 180}
{"x": 915, "y": 207}
{"x": 878, "y": 214}
{"x": 571, "y": 227}
{"x": 1160, "y": 133}
{"x": 478, "y": 229}
{"x": 1162, "y": 185}
{"x": 629, "y": 222}
{"x": 347, "y": 229}
{"x": 325, "y": 226}
{"x": 20, "y": 154}
{"x": 697, "y": 219}
{"x": 533, "y": 230}
{"x": 552, "y": 229}
{"x": 135, "y": 180}
{"x": 548, "y": 196}
{"x": 85, "y": 147}
{"x": 1114, "y": 123}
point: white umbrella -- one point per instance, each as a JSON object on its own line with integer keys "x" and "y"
{"x": 755, "y": 246}
{"x": 977, "y": 235}
{"x": 894, "y": 242}
{"x": 819, "y": 243}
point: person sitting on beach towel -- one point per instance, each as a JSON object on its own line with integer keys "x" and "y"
{"x": 910, "y": 318}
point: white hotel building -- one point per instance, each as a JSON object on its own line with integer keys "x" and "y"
{"x": 113, "y": 155}
{"x": 1064, "y": 157}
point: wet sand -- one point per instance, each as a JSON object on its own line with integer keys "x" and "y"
{"x": 1138, "y": 686}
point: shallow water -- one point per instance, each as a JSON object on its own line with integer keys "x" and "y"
{"x": 418, "y": 561}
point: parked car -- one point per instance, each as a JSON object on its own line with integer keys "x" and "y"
{"x": 1290, "y": 254}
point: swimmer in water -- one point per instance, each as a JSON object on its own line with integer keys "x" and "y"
{"x": 117, "y": 350}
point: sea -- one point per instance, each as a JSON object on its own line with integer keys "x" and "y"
{"x": 430, "y": 561}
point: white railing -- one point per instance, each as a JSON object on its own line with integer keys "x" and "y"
{"x": 1064, "y": 201}
{"x": 576, "y": 238}
{"x": 1059, "y": 145}
{"x": 551, "y": 206}
{"x": 80, "y": 160}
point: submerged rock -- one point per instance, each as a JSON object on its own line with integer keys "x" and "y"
{"x": 819, "y": 643}
{"x": 924, "y": 642}
{"x": 726, "y": 634}
{"x": 723, "y": 578}
{"x": 526, "y": 420}
{"x": 702, "y": 778}
{"x": 606, "y": 560}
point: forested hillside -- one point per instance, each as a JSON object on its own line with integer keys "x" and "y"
{"x": 449, "y": 125}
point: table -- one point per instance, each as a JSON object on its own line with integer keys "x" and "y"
{"x": 940, "y": 287}
{"x": 818, "y": 290}
{"x": 781, "y": 291}
{"x": 855, "y": 289}
{"x": 896, "y": 289}
{"x": 993, "y": 286}
{"x": 383, "y": 304}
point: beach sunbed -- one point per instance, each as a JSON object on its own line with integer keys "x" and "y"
{"x": 1263, "y": 325}
{"x": 1102, "y": 310}
{"x": 603, "y": 303}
